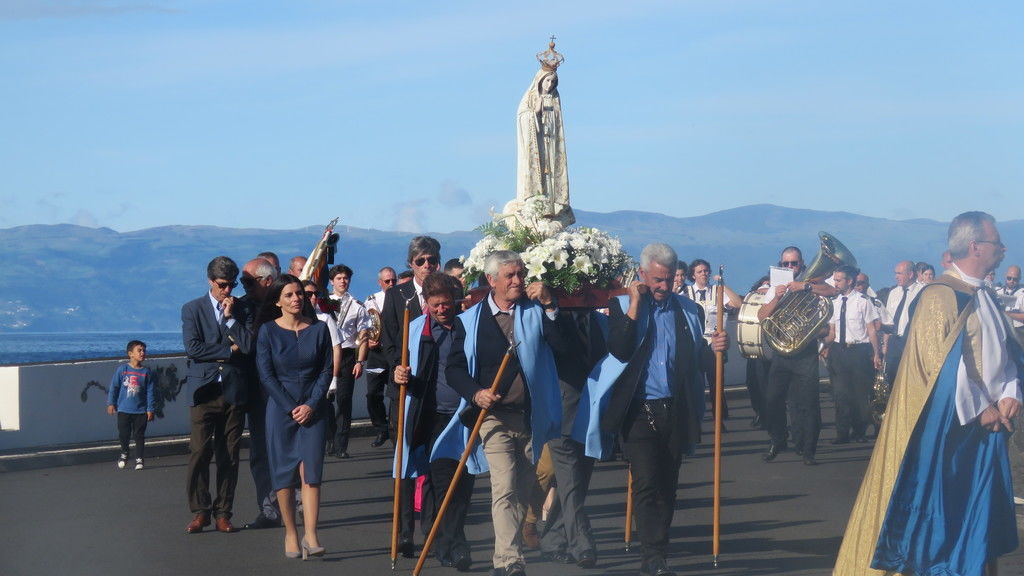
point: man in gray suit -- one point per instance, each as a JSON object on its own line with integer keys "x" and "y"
{"x": 217, "y": 338}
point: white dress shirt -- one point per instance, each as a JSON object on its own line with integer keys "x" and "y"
{"x": 859, "y": 313}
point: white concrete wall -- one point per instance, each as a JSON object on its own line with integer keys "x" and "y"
{"x": 9, "y": 400}
{"x": 61, "y": 404}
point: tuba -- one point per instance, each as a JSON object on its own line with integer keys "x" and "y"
{"x": 799, "y": 317}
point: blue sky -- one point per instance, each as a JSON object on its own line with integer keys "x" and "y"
{"x": 400, "y": 115}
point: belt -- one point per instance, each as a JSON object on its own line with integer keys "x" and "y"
{"x": 852, "y": 344}
{"x": 659, "y": 402}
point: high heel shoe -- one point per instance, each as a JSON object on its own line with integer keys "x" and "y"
{"x": 295, "y": 554}
{"x": 308, "y": 550}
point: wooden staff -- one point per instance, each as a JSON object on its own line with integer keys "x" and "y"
{"x": 629, "y": 507}
{"x": 399, "y": 441}
{"x": 461, "y": 466}
{"x": 719, "y": 385}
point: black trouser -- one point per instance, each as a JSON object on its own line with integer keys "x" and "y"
{"x": 852, "y": 373}
{"x": 343, "y": 401}
{"x": 893, "y": 354}
{"x": 795, "y": 379}
{"x": 568, "y": 527}
{"x": 375, "y": 384}
{"x": 451, "y": 534}
{"x": 216, "y": 430}
{"x": 259, "y": 465}
{"x": 708, "y": 368}
{"x": 132, "y": 426}
{"x": 757, "y": 383}
{"x": 654, "y": 458}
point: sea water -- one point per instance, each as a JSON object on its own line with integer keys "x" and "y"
{"x": 29, "y": 347}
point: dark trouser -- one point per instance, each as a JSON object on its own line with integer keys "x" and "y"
{"x": 132, "y": 426}
{"x": 708, "y": 369}
{"x": 568, "y": 527}
{"x": 451, "y": 533}
{"x": 893, "y": 354}
{"x": 216, "y": 429}
{"x": 654, "y": 460}
{"x": 259, "y": 465}
{"x": 407, "y": 490}
{"x": 852, "y": 374}
{"x": 343, "y": 401}
{"x": 375, "y": 384}
{"x": 795, "y": 378}
{"x": 757, "y": 383}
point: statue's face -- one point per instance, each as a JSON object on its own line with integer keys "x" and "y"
{"x": 548, "y": 84}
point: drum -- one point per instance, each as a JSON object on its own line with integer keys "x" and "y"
{"x": 748, "y": 329}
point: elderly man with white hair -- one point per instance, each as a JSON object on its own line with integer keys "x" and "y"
{"x": 656, "y": 402}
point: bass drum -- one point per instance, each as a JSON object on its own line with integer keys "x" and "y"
{"x": 748, "y": 329}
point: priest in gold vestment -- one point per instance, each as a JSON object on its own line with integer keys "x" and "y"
{"x": 936, "y": 498}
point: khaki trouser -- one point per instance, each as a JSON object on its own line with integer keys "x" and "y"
{"x": 507, "y": 444}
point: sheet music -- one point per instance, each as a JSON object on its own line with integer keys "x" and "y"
{"x": 778, "y": 275}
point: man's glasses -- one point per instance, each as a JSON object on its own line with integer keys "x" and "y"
{"x": 1012, "y": 279}
{"x": 390, "y": 280}
{"x": 432, "y": 260}
{"x": 790, "y": 263}
{"x": 225, "y": 285}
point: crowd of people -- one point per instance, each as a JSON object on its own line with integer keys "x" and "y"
{"x": 283, "y": 361}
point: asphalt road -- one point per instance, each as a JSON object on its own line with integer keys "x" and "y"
{"x": 90, "y": 518}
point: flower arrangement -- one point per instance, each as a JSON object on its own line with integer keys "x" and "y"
{"x": 561, "y": 258}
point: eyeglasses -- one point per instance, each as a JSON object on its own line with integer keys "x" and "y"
{"x": 995, "y": 243}
{"x": 309, "y": 293}
{"x": 1012, "y": 279}
{"x": 225, "y": 285}
{"x": 791, "y": 263}
{"x": 432, "y": 260}
{"x": 388, "y": 281}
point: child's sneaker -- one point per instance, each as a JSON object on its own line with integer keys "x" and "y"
{"x": 122, "y": 461}
{"x": 138, "y": 464}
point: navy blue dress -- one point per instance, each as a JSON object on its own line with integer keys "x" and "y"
{"x": 295, "y": 369}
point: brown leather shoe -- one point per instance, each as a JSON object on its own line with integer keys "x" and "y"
{"x": 224, "y": 525}
{"x": 531, "y": 539}
{"x": 202, "y": 520}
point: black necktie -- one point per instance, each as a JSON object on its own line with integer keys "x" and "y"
{"x": 899, "y": 311}
{"x": 842, "y": 323}
{"x": 702, "y": 294}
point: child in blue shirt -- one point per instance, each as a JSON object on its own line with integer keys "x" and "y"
{"x": 131, "y": 396}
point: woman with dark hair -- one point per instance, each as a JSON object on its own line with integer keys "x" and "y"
{"x": 293, "y": 355}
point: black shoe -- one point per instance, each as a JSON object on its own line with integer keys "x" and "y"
{"x": 655, "y": 567}
{"x": 798, "y": 450}
{"x": 810, "y": 461}
{"x": 461, "y": 560}
{"x": 406, "y": 548}
{"x": 587, "y": 559}
{"x": 773, "y": 451}
{"x": 860, "y": 439}
{"x": 515, "y": 569}
{"x": 261, "y": 522}
{"x": 839, "y": 441}
{"x": 342, "y": 455}
{"x": 556, "y": 557}
{"x": 379, "y": 441}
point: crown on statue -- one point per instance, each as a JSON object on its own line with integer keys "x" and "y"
{"x": 550, "y": 59}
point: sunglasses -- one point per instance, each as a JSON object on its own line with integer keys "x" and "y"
{"x": 1012, "y": 279}
{"x": 432, "y": 260}
{"x": 225, "y": 285}
{"x": 791, "y": 263}
{"x": 309, "y": 293}
{"x": 391, "y": 281}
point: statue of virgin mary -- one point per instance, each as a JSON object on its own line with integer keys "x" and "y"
{"x": 541, "y": 172}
